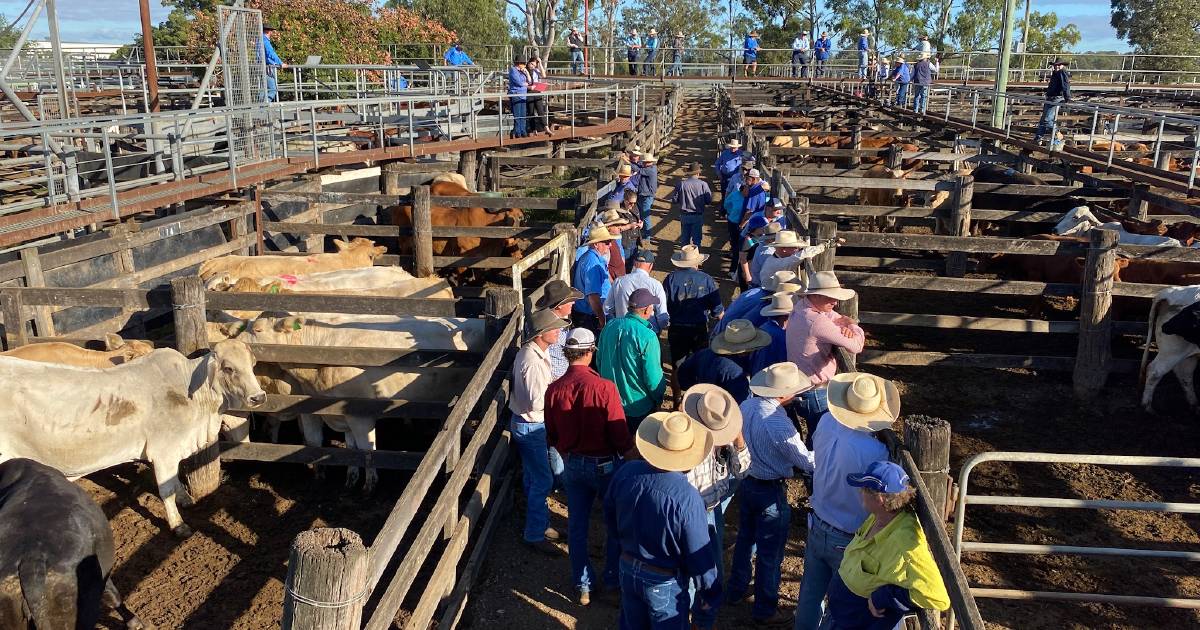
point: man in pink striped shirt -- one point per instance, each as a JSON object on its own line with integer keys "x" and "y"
{"x": 813, "y": 331}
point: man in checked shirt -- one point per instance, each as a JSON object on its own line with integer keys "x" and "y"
{"x": 716, "y": 476}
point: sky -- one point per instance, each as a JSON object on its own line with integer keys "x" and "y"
{"x": 115, "y": 21}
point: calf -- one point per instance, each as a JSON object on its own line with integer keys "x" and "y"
{"x": 119, "y": 352}
{"x": 1175, "y": 354}
{"x": 359, "y": 252}
{"x": 56, "y": 552}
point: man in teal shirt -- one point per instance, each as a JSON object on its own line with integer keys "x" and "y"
{"x": 631, "y": 357}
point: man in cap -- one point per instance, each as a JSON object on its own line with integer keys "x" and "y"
{"x": 859, "y": 406}
{"x": 651, "y": 47}
{"x": 753, "y": 238}
{"x": 723, "y": 363}
{"x": 772, "y": 210}
{"x": 716, "y": 477}
{"x": 558, "y": 298}
{"x": 456, "y": 56}
{"x": 647, "y": 187}
{"x": 631, "y": 357}
{"x": 790, "y": 252}
{"x": 763, "y": 510}
{"x": 632, "y": 43}
{"x": 1058, "y": 91}
{"x": 693, "y": 300}
{"x": 575, "y": 43}
{"x": 691, "y": 196}
{"x": 617, "y": 302}
{"x": 661, "y": 524}
{"x": 518, "y": 88}
{"x": 757, "y": 194}
{"x": 813, "y": 331}
{"x": 272, "y": 62}
{"x": 592, "y": 280}
{"x": 586, "y": 425}
{"x": 821, "y": 50}
{"x": 750, "y": 54}
{"x": 748, "y": 304}
{"x": 801, "y": 55}
{"x": 531, "y": 376}
{"x": 677, "y": 46}
{"x": 777, "y": 312}
{"x": 864, "y": 51}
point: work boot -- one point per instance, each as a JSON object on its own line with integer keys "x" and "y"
{"x": 778, "y": 619}
{"x": 544, "y": 547}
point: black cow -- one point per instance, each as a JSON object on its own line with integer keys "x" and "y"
{"x": 56, "y": 552}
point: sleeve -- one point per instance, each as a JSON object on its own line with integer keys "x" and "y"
{"x": 674, "y": 196}
{"x": 594, "y": 278}
{"x": 521, "y": 80}
{"x": 712, "y": 300}
{"x": 618, "y": 429}
{"x": 662, "y": 315}
{"x": 446, "y": 57}
{"x": 538, "y": 381}
{"x": 609, "y": 303}
{"x": 705, "y": 199}
{"x": 802, "y": 458}
{"x": 738, "y": 387}
{"x": 808, "y": 252}
{"x": 1066, "y": 86}
{"x": 653, "y": 366}
{"x": 925, "y": 586}
{"x": 700, "y": 558}
{"x": 467, "y": 61}
{"x": 826, "y": 331}
{"x": 269, "y": 54}
{"x": 550, "y": 420}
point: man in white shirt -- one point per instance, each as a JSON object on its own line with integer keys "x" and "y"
{"x": 801, "y": 55}
{"x": 790, "y": 253}
{"x": 617, "y": 302}
{"x": 531, "y": 376}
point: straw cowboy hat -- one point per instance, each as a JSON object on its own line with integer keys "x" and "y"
{"x": 556, "y": 294}
{"x": 544, "y": 321}
{"x": 780, "y": 381}
{"x": 634, "y": 149}
{"x": 716, "y": 410}
{"x": 788, "y": 238}
{"x": 670, "y": 440}
{"x": 826, "y": 283}
{"x": 734, "y": 144}
{"x": 773, "y": 230}
{"x": 791, "y": 288}
{"x": 777, "y": 278}
{"x": 612, "y": 216}
{"x": 649, "y": 157}
{"x": 688, "y": 256}
{"x": 781, "y": 304}
{"x": 863, "y": 402}
{"x": 740, "y": 337}
{"x": 600, "y": 234}
{"x": 624, "y": 170}
{"x": 653, "y": 32}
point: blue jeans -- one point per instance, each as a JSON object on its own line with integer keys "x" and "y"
{"x": 677, "y": 66}
{"x": 902, "y": 94}
{"x": 644, "y": 204}
{"x": 763, "y": 517}
{"x": 651, "y": 601}
{"x": 1046, "y": 124}
{"x": 693, "y": 229}
{"x": 631, "y": 56}
{"x": 862, "y": 64}
{"x": 586, "y": 481}
{"x": 272, "y": 87}
{"x": 540, "y": 465}
{"x": 576, "y": 61}
{"x": 811, "y": 405}
{"x": 648, "y": 66}
{"x": 920, "y": 98}
{"x": 822, "y": 556}
{"x": 519, "y": 111}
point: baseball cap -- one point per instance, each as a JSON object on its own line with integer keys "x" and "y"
{"x": 776, "y": 203}
{"x": 642, "y": 298}
{"x": 756, "y": 222}
{"x": 580, "y": 339}
{"x": 754, "y": 173}
{"x": 886, "y": 477}
{"x": 644, "y": 256}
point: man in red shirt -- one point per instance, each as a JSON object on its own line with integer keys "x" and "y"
{"x": 586, "y": 423}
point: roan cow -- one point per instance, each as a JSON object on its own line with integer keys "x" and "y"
{"x": 1175, "y": 353}
{"x": 119, "y": 351}
{"x": 56, "y": 552}
{"x": 161, "y": 409}
{"x": 359, "y": 252}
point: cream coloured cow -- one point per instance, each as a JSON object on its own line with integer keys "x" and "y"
{"x": 381, "y": 281}
{"x": 119, "y": 351}
{"x": 357, "y": 331}
{"x": 160, "y": 409}
{"x": 359, "y": 252}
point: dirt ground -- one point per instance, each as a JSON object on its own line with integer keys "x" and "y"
{"x": 989, "y": 410}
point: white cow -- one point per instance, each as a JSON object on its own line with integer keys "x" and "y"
{"x": 358, "y": 331}
{"x": 1079, "y": 221}
{"x": 1174, "y": 352}
{"x": 161, "y": 409}
{"x": 385, "y": 281}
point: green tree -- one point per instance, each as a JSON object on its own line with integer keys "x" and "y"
{"x": 1160, "y": 27}
{"x": 8, "y": 33}
{"x": 977, "y": 27}
{"x": 476, "y": 22}
{"x": 894, "y": 25}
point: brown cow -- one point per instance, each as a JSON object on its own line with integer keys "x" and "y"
{"x": 118, "y": 351}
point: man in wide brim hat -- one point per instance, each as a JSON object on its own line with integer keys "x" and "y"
{"x": 826, "y": 283}
{"x": 688, "y": 257}
{"x": 739, "y": 337}
{"x": 599, "y": 234}
{"x": 556, "y": 294}
{"x": 716, "y": 410}
{"x": 734, "y": 144}
{"x": 543, "y": 321}
{"x": 670, "y": 440}
{"x": 863, "y": 402}
{"x": 782, "y": 380}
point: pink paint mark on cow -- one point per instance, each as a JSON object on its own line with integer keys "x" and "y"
{"x": 289, "y": 279}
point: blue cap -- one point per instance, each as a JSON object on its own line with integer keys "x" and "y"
{"x": 885, "y": 477}
{"x": 642, "y": 298}
{"x": 757, "y": 221}
{"x": 644, "y": 256}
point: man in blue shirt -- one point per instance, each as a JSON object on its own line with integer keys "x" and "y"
{"x": 902, "y": 75}
{"x": 617, "y": 302}
{"x": 821, "y": 51}
{"x": 651, "y": 46}
{"x": 273, "y": 62}
{"x": 748, "y": 304}
{"x": 776, "y": 312}
{"x": 864, "y": 48}
{"x": 750, "y": 54}
{"x": 691, "y": 196}
{"x": 729, "y": 163}
{"x": 662, "y": 527}
{"x": 591, "y": 278}
{"x": 692, "y": 301}
{"x": 456, "y": 56}
{"x": 764, "y": 514}
{"x": 518, "y": 86}
{"x": 861, "y": 405}
{"x": 723, "y": 363}
{"x": 647, "y": 187}
{"x": 632, "y": 44}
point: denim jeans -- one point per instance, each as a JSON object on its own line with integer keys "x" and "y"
{"x": 648, "y": 66}
{"x": 716, "y": 532}
{"x": 920, "y": 98}
{"x": 644, "y": 205}
{"x": 576, "y": 61}
{"x": 1046, "y": 124}
{"x": 821, "y": 67}
{"x": 677, "y": 66}
{"x": 650, "y": 600}
{"x": 632, "y": 58}
{"x": 811, "y": 405}
{"x": 799, "y": 64}
{"x": 519, "y": 118}
{"x": 540, "y": 466}
{"x": 822, "y": 556}
{"x": 586, "y": 481}
{"x": 862, "y": 64}
{"x": 693, "y": 229}
{"x": 902, "y": 94}
{"x": 272, "y": 94}
{"x": 763, "y": 517}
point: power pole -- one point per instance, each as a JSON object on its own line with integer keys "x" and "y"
{"x": 60, "y": 73}
{"x": 1006, "y": 40}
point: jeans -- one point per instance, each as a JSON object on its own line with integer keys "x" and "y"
{"x": 1046, "y": 125}
{"x": 862, "y": 64}
{"x": 821, "y": 67}
{"x": 631, "y": 56}
{"x": 519, "y": 112}
{"x": 763, "y": 517}
{"x": 272, "y": 94}
{"x": 902, "y": 94}
{"x": 677, "y": 66}
{"x": 799, "y": 64}
{"x": 644, "y": 204}
{"x": 648, "y": 67}
{"x": 735, "y": 243}
{"x": 576, "y": 61}
{"x": 540, "y": 465}
{"x": 693, "y": 228}
{"x": 920, "y": 98}
{"x": 822, "y": 556}
{"x": 811, "y": 405}
{"x": 586, "y": 481}
{"x": 650, "y": 600}
{"x": 716, "y": 532}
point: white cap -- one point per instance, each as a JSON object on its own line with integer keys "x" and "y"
{"x": 580, "y": 339}
{"x": 754, "y": 173}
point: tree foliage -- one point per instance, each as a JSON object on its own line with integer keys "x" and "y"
{"x": 474, "y": 21}
{"x": 977, "y": 27}
{"x": 1160, "y": 27}
{"x": 8, "y": 33}
{"x": 893, "y": 24}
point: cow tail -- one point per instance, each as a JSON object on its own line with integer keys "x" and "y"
{"x": 32, "y": 575}
{"x": 1152, "y": 321}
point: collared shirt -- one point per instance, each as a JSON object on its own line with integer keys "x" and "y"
{"x": 456, "y": 57}
{"x": 811, "y": 337}
{"x": 726, "y": 372}
{"x": 618, "y": 193}
{"x": 633, "y": 42}
{"x": 800, "y": 44}
{"x": 584, "y": 415}
{"x": 651, "y": 44}
{"x": 923, "y": 72}
{"x": 692, "y": 297}
{"x": 775, "y": 446}
{"x": 840, "y": 451}
{"x": 774, "y": 353}
{"x": 677, "y": 44}
{"x": 902, "y": 74}
{"x": 793, "y": 263}
{"x": 660, "y": 519}
{"x": 692, "y": 195}
{"x": 558, "y": 359}
{"x": 591, "y": 277}
{"x": 630, "y": 356}
{"x": 714, "y": 476}
{"x": 751, "y": 47}
{"x": 822, "y": 48}
{"x": 761, "y": 254}
{"x": 531, "y": 377}
{"x": 617, "y": 302}
{"x": 269, "y": 55}
{"x": 730, "y": 162}
{"x": 518, "y": 81}
{"x": 746, "y": 306}
{"x": 781, "y": 220}
{"x": 756, "y": 199}
{"x": 896, "y": 556}
{"x": 647, "y": 184}
{"x": 733, "y": 202}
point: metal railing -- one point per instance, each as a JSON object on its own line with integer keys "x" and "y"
{"x": 965, "y": 498}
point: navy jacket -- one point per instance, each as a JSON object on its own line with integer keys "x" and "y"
{"x": 1060, "y": 86}
{"x": 648, "y": 181}
{"x": 691, "y": 296}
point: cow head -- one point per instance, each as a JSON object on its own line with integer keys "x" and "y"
{"x": 130, "y": 349}
{"x": 223, "y": 281}
{"x": 1182, "y": 231}
{"x": 231, "y": 375}
{"x": 360, "y": 245}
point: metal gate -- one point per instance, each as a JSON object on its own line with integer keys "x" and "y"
{"x": 1060, "y": 502}
{"x": 244, "y": 69}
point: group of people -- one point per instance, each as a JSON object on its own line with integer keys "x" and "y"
{"x": 646, "y": 49}
{"x": 757, "y": 401}
{"x": 526, "y": 82}
{"x": 804, "y": 52}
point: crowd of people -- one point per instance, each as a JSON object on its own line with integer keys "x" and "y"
{"x": 756, "y": 401}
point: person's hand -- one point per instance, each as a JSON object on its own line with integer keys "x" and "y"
{"x": 282, "y": 65}
{"x": 739, "y": 442}
{"x": 875, "y": 612}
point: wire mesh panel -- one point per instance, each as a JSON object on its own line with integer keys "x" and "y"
{"x": 247, "y": 83}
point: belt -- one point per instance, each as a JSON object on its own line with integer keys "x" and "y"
{"x": 830, "y": 526}
{"x": 770, "y": 481}
{"x": 593, "y": 458}
{"x": 628, "y": 557}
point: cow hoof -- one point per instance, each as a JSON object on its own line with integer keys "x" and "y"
{"x": 182, "y": 531}
{"x": 136, "y": 624}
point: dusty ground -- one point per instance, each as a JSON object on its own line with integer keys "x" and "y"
{"x": 989, "y": 410}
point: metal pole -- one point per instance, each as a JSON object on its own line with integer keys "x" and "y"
{"x": 148, "y": 51}
{"x": 20, "y": 43}
{"x": 1006, "y": 38}
{"x": 1025, "y": 40}
{"x": 60, "y": 73}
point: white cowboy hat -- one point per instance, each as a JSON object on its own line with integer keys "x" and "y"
{"x": 740, "y": 337}
{"x": 599, "y": 234}
{"x": 863, "y": 402}
{"x": 612, "y": 216}
{"x": 634, "y": 149}
{"x": 649, "y": 157}
{"x": 670, "y": 440}
{"x": 653, "y": 32}
{"x": 777, "y": 278}
{"x": 734, "y": 144}
{"x": 790, "y": 288}
{"x": 773, "y": 230}
{"x": 781, "y": 304}
{"x": 788, "y": 238}
{"x": 826, "y": 283}
{"x": 715, "y": 409}
{"x": 688, "y": 256}
{"x": 780, "y": 381}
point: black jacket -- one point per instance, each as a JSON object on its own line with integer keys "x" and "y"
{"x": 1060, "y": 85}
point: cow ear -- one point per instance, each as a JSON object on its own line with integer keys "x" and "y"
{"x": 113, "y": 341}
{"x": 340, "y": 244}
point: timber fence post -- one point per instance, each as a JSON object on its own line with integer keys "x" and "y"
{"x": 468, "y": 166}
{"x": 1094, "y": 357}
{"x": 498, "y": 303}
{"x": 31, "y": 264}
{"x": 1139, "y": 206}
{"x": 928, "y": 440}
{"x": 201, "y": 471}
{"x": 14, "y": 320}
{"x": 422, "y": 232}
{"x": 823, "y": 231}
{"x": 326, "y": 583}
{"x": 856, "y": 143}
{"x": 960, "y": 222}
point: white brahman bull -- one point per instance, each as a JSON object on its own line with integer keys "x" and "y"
{"x": 1079, "y": 221}
{"x": 1174, "y": 352}
{"x": 161, "y": 409}
{"x": 382, "y": 281}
